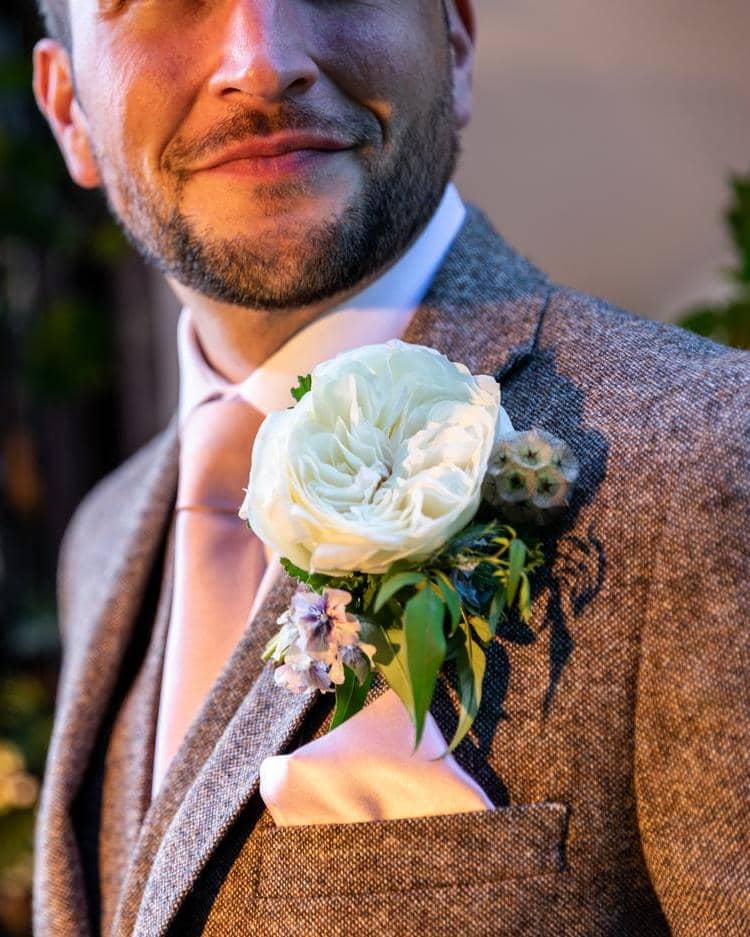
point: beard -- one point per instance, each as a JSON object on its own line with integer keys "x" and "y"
{"x": 397, "y": 198}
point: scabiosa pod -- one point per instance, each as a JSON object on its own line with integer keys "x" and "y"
{"x": 530, "y": 476}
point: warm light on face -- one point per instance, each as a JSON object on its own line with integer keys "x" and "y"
{"x": 268, "y": 154}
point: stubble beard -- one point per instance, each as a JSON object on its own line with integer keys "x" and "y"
{"x": 329, "y": 257}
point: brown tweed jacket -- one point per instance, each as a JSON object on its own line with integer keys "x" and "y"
{"x": 615, "y": 738}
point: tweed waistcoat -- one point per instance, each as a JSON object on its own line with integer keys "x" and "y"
{"x": 614, "y": 738}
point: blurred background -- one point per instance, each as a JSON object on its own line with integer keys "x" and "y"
{"x": 611, "y": 145}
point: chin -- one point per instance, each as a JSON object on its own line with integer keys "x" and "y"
{"x": 239, "y": 206}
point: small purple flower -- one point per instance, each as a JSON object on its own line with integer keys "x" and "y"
{"x": 322, "y": 620}
{"x": 355, "y": 658}
{"x": 303, "y": 677}
{"x": 317, "y": 637}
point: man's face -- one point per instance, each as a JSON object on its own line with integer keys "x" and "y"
{"x": 189, "y": 105}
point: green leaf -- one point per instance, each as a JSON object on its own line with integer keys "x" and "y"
{"x": 524, "y": 598}
{"x": 425, "y": 651}
{"x": 516, "y": 563}
{"x": 370, "y": 591}
{"x": 471, "y": 535}
{"x": 482, "y": 628}
{"x": 471, "y": 664}
{"x": 451, "y": 598}
{"x": 350, "y": 697}
{"x": 497, "y": 607}
{"x": 295, "y": 571}
{"x": 394, "y": 584}
{"x": 303, "y": 387}
{"x": 390, "y": 658}
{"x": 316, "y": 581}
{"x": 270, "y": 647}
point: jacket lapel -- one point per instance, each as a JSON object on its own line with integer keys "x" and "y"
{"x": 486, "y": 304}
{"x": 484, "y": 308}
{"x": 210, "y": 777}
{"x": 104, "y": 619}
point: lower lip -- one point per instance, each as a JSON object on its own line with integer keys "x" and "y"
{"x": 293, "y": 163}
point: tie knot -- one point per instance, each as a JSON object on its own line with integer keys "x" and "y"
{"x": 215, "y": 450}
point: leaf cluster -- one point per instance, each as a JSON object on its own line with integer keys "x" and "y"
{"x": 447, "y": 608}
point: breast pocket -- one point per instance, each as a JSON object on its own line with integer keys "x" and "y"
{"x": 378, "y": 856}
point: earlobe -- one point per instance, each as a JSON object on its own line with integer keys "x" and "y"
{"x": 55, "y": 97}
{"x": 81, "y": 165}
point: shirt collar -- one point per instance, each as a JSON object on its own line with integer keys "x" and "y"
{"x": 378, "y": 313}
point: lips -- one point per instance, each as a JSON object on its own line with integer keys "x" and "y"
{"x": 280, "y": 150}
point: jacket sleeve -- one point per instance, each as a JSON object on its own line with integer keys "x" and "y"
{"x": 692, "y": 757}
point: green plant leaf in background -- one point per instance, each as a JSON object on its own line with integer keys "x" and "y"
{"x": 729, "y": 323}
{"x": 392, "y": 585}
{"x": 69, "y": 351}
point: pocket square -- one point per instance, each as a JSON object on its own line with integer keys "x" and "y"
{"x": 365, "y": 770}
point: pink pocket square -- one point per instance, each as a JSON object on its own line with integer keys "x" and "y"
{"x": 364, "y": 770}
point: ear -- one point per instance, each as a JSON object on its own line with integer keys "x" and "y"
{"x": 55, "y": 96}
{"x": 462, "y": 32}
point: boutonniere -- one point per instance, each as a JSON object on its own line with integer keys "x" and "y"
{"x": 404, "y": 504}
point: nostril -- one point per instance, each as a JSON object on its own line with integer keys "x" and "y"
{"x": 300, "y": 84}
{"x": 264, "y": 80}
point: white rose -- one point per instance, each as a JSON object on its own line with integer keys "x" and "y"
{"x": 382, "y": 460}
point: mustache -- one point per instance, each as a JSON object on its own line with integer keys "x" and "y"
{"x": 246, "y": 124}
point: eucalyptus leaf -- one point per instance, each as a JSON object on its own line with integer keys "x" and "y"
{"x": 393, "y": 584}
{"x": 425, "y": 651}
{"x": 471, "y": 536}
{"x": 350, "y": 697}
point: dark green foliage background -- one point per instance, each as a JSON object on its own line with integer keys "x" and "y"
{"x": 58, "y": 249}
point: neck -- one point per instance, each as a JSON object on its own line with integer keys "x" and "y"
{"x": 235, "y": 340}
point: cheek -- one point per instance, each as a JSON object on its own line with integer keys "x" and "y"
{"x": 377, "y": 61}
{"x": 137, "y": 94}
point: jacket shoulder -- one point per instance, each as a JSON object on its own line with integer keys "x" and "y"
{"x": 112, "y": 494}
{"x": 645, "y": 356}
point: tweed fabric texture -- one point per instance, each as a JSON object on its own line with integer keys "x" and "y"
{"x": 615, "y": 731}
{"x": 128, "y": 765}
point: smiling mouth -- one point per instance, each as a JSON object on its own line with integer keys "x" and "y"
{"x": 291, "y": 162}
{"x": 280, "y": 154}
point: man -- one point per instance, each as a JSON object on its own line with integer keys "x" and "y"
{"x": 287, "y": 164}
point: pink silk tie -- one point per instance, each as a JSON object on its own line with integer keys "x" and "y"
{"x": 219, "y": 564}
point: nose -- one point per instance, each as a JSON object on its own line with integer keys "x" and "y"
{"x": 263, "y": 51}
